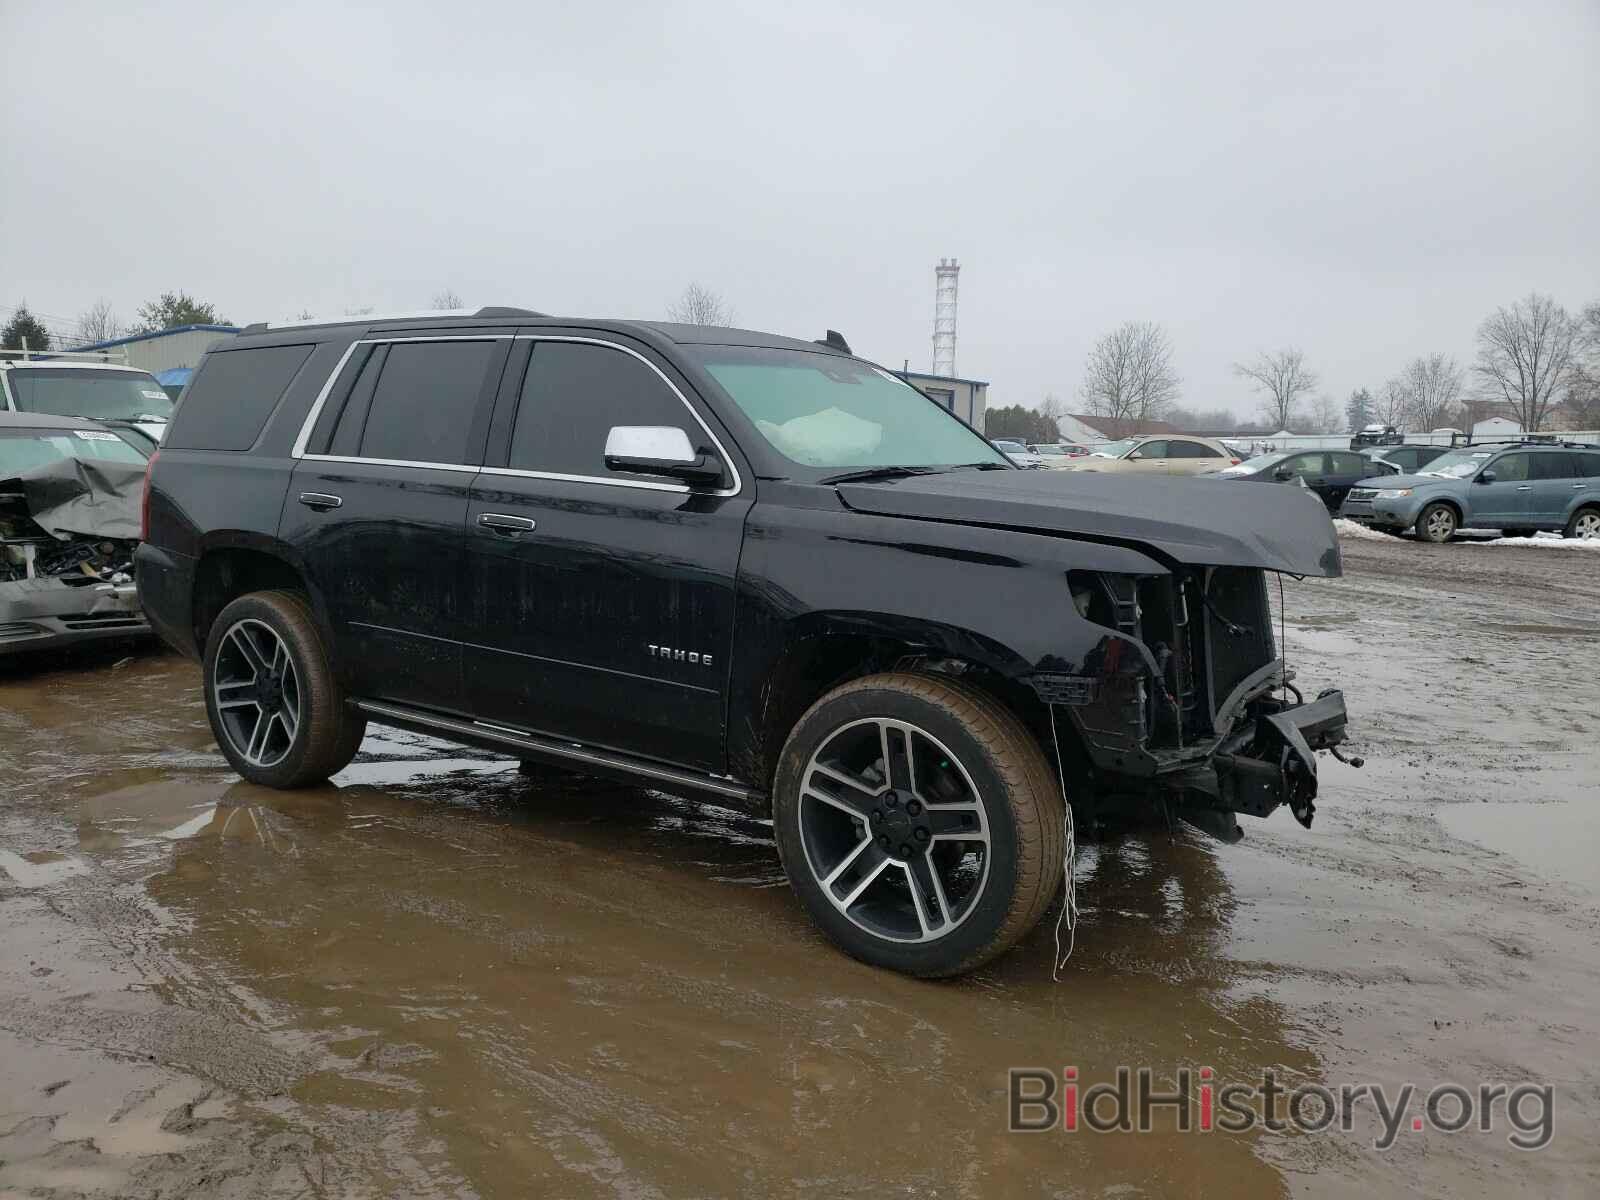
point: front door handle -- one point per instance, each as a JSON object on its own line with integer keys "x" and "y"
{"x": 1524, "y": 487}
{"x": 1578, "y": 487}
{"x": 505, "y": 523}
{"x": 320, "y": 501}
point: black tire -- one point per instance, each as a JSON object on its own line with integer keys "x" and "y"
{"x": 1585, "y": 524}
{"x": 1518, "y": 533}
{"x": 966, "y": 736}
{"x": 327, "y": 730}
{"x": 1438, "y": 523}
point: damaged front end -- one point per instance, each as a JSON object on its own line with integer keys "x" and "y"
{"x": 67, "y": 535}
{"x": 1186, "y": 698}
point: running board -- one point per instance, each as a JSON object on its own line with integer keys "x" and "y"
{"x": 567, "y": 752}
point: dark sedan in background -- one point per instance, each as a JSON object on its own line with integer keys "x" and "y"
{"x": 1329, "y": 473}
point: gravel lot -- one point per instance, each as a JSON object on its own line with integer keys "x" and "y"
{"x": 440, "y": 979}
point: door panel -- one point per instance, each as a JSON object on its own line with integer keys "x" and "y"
{"x": 1553, "y": 475}
{"x": 1505, "y": 501}
{"x": 610, "y": 621}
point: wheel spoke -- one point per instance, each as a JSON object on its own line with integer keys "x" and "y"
{"x": 236, "y": 695}
{"x": 897, "y": 757}
{"x": 258, "y": 737}
{"x": 864, "y": 883}
{"x": 956, "y": 822}
{"x": 846, "y": 863}
{"x": 838, "y": 789}
{"x": 247, "y": 648}
{"x": 927, "y": 892}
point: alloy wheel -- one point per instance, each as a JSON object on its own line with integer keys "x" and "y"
{"x": 1587, "y": 526}
{"x": 1441, "y": 524}
{"x": 257, "y": 692}
{"x": 894, "y": 831}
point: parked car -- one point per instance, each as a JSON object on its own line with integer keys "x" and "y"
{"x": 1404, "y": 460}
{"x": 1377, "y": 435}
{"x": 733, "y": 565}
{"x": 1329, "y": 473}
{"x": 1518, "y": 487}
{"x": 1165, "y": 454}
{"x": 95, "y": 391}
{"x": 1018, "y": 453}
{"x": 69, "y": 496}
{"x": 1056, "y": 455}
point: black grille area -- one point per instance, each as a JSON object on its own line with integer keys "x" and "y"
{"x": 1238, "y": 627}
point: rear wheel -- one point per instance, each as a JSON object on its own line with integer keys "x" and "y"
{"x": 919, "y": 823}
{"x": 1437, "y": 523}
{"x": 277, "y": 711}
{"x": 1584, "y": 524}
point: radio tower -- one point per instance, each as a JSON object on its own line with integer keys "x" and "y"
{"x": 944, "y": 316}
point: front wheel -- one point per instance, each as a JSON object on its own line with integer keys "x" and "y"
{"x": 1437, "y": 523}
{"x": 919, "y": 823}
{"x": 277, "y": 711}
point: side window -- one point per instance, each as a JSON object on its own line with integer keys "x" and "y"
{"x": 1190, "y": 450}
{"x": 1150, "y": 450}
{"x": 232, "y": 396}
{"x": 1555, "y": 465}
{"x": 1354, "y": 464}
{"x": 1307, "y": 466}
{"x": 1588, "y": 466}
{"x": 423, "y": 405}
{"x": 353, "y": 420}
{"x": 572, "y": 396}
{"x": 1511, "y": 468}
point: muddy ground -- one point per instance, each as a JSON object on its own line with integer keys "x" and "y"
{"x": 437, "y": 978}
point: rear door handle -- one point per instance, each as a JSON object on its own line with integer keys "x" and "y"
{"x": 320, "y": 501}
{"x": 505, "y": 523}
{"x": 1524, "y": 487}
{"x": 1578, "y": 487}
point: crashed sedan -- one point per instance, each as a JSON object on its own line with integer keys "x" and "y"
{"x": 69, "y": 522}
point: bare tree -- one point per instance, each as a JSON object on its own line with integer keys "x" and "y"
{"x": 98, "y": 323}
{"x": 700, "y": 306}
{"x": 1428, "y": 388}
{"x": 1526, "y": 354}
{"x": 447, "y": 298}
{"x": 1389, "y": 405}
{"x": 1130, "y": 376}
{"x": 1327, "y": 414}
{"x": 1284, "y": 378}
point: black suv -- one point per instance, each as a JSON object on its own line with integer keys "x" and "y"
{"x": 736, "y": 565}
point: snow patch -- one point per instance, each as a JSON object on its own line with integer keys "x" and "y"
{"x": 1549, "y": 541}
{"x": 1358, "y": 531}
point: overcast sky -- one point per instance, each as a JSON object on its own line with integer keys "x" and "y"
{"x": 1363, "y": 180}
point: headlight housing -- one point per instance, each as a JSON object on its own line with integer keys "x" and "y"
{"x": 1393, "y": 493}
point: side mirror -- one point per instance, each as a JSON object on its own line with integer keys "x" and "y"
{"x": 1486, "y": 475}
{"x": 660, "y": 450}
{"x": 1283, "y": 474}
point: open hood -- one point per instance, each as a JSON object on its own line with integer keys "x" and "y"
{"x": 77, "y": 497}
{"x": 1196, "y": 521}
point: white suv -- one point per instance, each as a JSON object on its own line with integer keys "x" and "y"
{"x": 98, "y": 391}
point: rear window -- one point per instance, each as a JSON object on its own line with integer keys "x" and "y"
{"x": 232, "y": 395}
{"x": 423, "y": 406}
{"x": 96, "y": 394}
{"x": 1190, "y": 450}
{"x": 1588, "y": 466}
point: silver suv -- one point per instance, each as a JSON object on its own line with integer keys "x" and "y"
{"x": 1518, "y": 487}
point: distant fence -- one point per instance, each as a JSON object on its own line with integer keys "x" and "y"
{"x": 1341, "y": 441}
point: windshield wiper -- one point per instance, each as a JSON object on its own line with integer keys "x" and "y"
{"x": 982, "y": 466}
{"x": 870, "y": 473}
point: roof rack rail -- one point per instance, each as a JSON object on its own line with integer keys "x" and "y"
{"x": 495, "y": 310}
{"x": 25, "y": 354}
{"x": 488, "y": 312}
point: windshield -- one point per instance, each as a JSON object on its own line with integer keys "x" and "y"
{"x": 1115, "y": 449}
{"x": 1458, "y": 464}
{"x": 98, "y": 395}
{"x": 820, "y": 410}
{"x": 21, "y": 451}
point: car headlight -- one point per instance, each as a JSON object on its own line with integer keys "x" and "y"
{"x": 1393, "y": 493}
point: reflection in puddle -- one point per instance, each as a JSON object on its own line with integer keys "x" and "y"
{"x": 39, "y": 868}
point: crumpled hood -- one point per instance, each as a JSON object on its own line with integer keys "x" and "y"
{"x": 1197, "y": 521}
{"x": 75, "y": 497}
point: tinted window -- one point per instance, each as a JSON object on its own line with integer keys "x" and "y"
{"x": 1150, "y": 450}
{"x": 1511, "y": 468}
{"x": 1351, "y": 464}
{"x": 1190, "y": 450}
{"x": 1308, "y": 466}
{"x": 423, "y": 407}
{"x": 353, "y": 420}
{"x": 96, "y": 394}
{"x": 1551, "y": 466}
{"x": 1588, "y": 466}
{"x": 232, "y": 395}
{"x": 572, "y": 396}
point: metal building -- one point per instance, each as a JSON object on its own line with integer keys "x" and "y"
{"x": 967, "y": 398}
{"x": 164, "y": 350}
